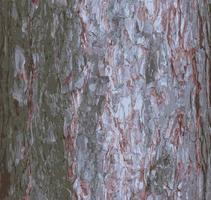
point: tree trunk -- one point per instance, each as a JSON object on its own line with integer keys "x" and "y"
{"x": 105, "y": 100}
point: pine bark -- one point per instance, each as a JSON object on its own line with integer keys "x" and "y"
{"x": 105, "y": 99}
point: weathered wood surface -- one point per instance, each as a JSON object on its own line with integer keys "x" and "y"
{"x": 105, "y": 100}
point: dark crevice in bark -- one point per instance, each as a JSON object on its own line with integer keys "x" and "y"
{"x": 4, "y": 182}
{"x": 5, "y": 81}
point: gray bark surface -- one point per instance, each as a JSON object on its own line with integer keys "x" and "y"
{"x": 105, "y": 100}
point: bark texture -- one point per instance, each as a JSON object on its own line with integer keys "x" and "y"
{"x": 105, "y": 100}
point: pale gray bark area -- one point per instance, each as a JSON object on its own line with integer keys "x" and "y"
{"x": 105, "y": 100}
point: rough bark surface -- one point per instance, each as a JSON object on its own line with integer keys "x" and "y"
{"x": 105, "y": 100}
